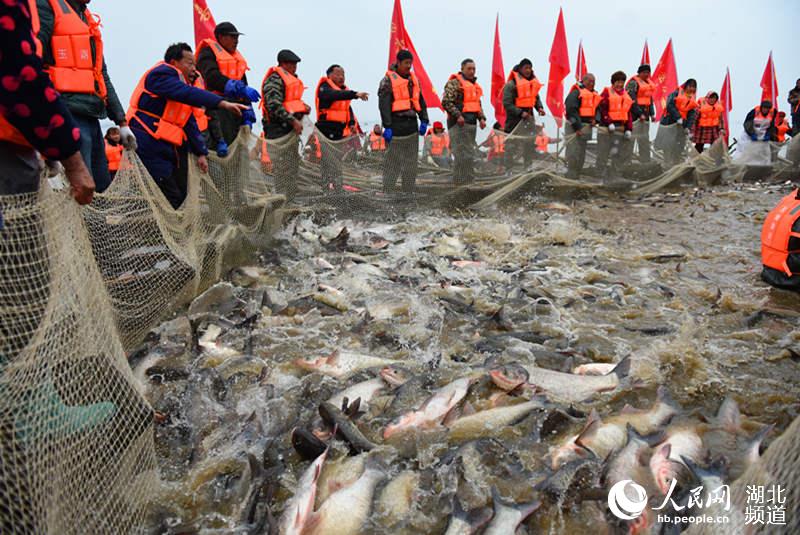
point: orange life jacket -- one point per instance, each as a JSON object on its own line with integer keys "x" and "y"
{"x": 527, "y": 90}
{"x": 200, "y": 113}
{"x": 404, "y": 99}
{"x": 439, "y": 143}
{"x": 314, "y": 142}
{"x": 472, "y": 94}
{"x": 498, "y": 145}
{"x": 232, "y": 66}
{"x": 782, "y": 128}
{"x": 376, "y": 142}
{"x": 777, "y": 231}
{"x": 644, "y": 95}
{"x": 266, "y": 162}
{"x": 619, "y": 106}
{"x": 589, "y": 101}
{"x": 172, "y": 121}
{"x": 76, "y": 70}
{"x": 292, "y": 93}
{"x": 541, "y": 142}
{"x": 339, "y": 112}
{"x": 709, "y": 115}
{"x": 768, "y": 117}
{"x": 684, "y": 103}
{"x": 114, "y": 156}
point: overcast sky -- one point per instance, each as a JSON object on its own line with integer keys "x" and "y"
{"x": 708, "y": 35}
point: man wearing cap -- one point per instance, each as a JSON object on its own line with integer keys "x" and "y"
{"x": 223, "y": 68}
{"x": 580, "y": 108}
{"x": 462, "y": 102}
{"x": 283, "y": 110}
{"x": 641, "y": 89}
{"x": 437, "y": 145}
{"x": 401, "y": 103}
{"x": 520, "y": 98}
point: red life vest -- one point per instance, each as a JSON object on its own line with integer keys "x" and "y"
{"x": 589, "y": 101}
{"x": 777, "y": 232}
{"x": 472, "y": 94}
{"x": 339, "y": 112}
{"x": 619, "y": 106}
{"x": 527, "y": 90}
{"x": 232, "y": 66}
{"x": 498, "y": 147}
{"x": 172, "y": 121}
{"x": 266, "y": 162}
{"x": 644, "y": 95}
{"x": 376, "y": 142}
{"x": 292, "y": 93}
{"x": 768, "y": 117}
{"x": 114, "y": 156}
{"x": 541, "y": 142}
{"x": 782, "y": 128}
{"x": 404, "y": 99}
{"x": 439, "y": 143}
{"x": 200, "y": 113}
{"x": 314, "y": 142}
{"x": 709, "y": 115}
{"x": 685, "y": 103}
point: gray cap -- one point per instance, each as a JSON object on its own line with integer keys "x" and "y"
{"x": 287, "y": 56}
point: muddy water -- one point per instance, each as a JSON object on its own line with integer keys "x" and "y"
{"x": 671, "y": 281}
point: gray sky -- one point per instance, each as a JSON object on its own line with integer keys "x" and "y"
{"x": 707, "y": 36}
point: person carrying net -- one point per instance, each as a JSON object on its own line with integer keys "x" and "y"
{"x": 520, "y": 98}
{"x": 462, "y": 102}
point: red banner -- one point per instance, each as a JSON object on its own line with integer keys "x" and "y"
{"x": 203, "y": 21}
{"x": 580, "y": 65}
{"x": 498, "y": 76}
{"x": 769, "y": 84}
{"x": 726, "y": 99}
{"x": 645, "y": 54}
{"x": 559, "y": 69}
{"x": 399, "y": 39}
{"x": 665, "y": 78}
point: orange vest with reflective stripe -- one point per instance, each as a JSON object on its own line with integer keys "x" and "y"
{"x": 684, "y": 103}
{"x": 292, "y": 92}
{"x": 782, "y": 128}
{"x": 541, "y": 143}
{"x": 200, "y": 113}
{"x": 527, "y": 90}
{"x": 709, "y": 115}
{"x": 644, "y": 95}
{"x": 114, "y": 156}
{"x": 589, "y": 101}
{"x": 376, "y": 142}
{"x": 618, "y": 105}
{"x": 404, "y": 99}
{"x": 439, "y": 143}
{"x": 232, "y": 66}
{"x": 171, "y": 122}
{"x": 76, "y": 69}
{"x": 472, "y": 94}
{"x": 498, "y": 144}
{"x": 777, "y": 231}
{"x": 339, "y": 112}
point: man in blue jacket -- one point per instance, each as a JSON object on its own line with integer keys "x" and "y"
{"x": 166, "y": 131}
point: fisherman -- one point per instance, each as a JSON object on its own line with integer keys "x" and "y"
{"x": 581, "y": 112}
{"x": 615, "y": 116}
{"x": 496, "y": 143}
{"x": 283, "y": 110}
{"x": 542, "y": 140}
{"x": 760, "y": 123}
{"x": 401, "y": 103}
{"x": 641, "y": 89}
{"x": 313, "y": 149}
{"x": 375, "y": 142}
{"x": 781, "y": 127}
{"x": 437, "y": 145}
{"x": 462, "y": 102}
{"x": 680, "y": 115}
{"x": 520, "y": 98}
{"x": 334, "y": 117}
{"x": 224, "y": 69}
{"x": 794, "y": 95}
{"x": 710, "y": 124}
{"x": 69, "y": 33}
{"x": 208, "y": 124}
{"x": 161, "y": 116}
{"x": 113, "y": 150}
{"x": 780, "y": 246}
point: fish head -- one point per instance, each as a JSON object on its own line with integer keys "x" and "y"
{"x": 567, "y": 452}
{"x": 394, "y": 376}
{"x": 509, "y": 376}
{"x": 664, "y": 469}
{"x": 401, "y": 424}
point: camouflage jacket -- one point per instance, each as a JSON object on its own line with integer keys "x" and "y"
{"x": 274, "y": 92}
{"x": 633, "y": 90}
{"x": 453, "y": 100}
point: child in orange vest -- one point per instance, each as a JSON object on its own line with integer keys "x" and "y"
{"x": 113, "y": 150}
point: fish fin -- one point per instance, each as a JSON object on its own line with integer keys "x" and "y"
{"x": 468, "y": 409}
{"x": 451, "y": 416}
{"x": 623, "y": 369}
{"x": 717, "y": 467}
{"x": 754, "y": 444}
{"x": 728, "y": 416}
{"x": 333, "y": 358}
{"x": 633, "y": 434}
{"x": 256, "y": 468}
{"x": 666, "y": 451}
{"x": 592, "y": 424}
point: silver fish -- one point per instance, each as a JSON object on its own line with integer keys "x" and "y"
{"x": 490, "y": 421}
{"x": 507, "y": 516}
{"x": 300, "y": 508}
{"x": 433, "y": 411}
{"x": 341, "y": 364}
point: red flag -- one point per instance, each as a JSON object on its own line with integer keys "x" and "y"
{"x": 726, "y": 99}
{"x": 400, "y": 40}
{"x": 580, "y": 66}
{"x": 645, "y": 54}
{"x": 203, "y": 21}
{"x": 498, "y": 76}
{"x": 559, "y": 69}
{"x": 665, "y": 78}
{"x": 769, "y": 83}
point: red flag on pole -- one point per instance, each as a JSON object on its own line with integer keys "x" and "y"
{"x": 665, "y": 78}
{"x": 645, "y": 54}
{"x": 580, "y": 66}
{"x": 203, "y": 21}
{"x": 769, "y": 83}
{"x": 498, "y": 76}
{"x": 726, "y": 99}
{"x": 559, "y": 69}
{"x": 399, "y": 39}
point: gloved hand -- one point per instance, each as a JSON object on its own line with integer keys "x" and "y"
{"x": 127, "y": 138}
{"x": 239, "y": 90}
{"x": 249, "y": 117}
{"x": 388, "y": 134}
{"x": 753, "y": 137}
{"x": 628, "y": 134}
{"x": 423, "y": 128}
{"x": 251, "y": 94}
{"x": 612, "y": 127}
{"x": 222, "y": 148}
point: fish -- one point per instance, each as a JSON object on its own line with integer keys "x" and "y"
{"x": 364, "y": 392}
{"x": 567, "y": 485}
{"x": 467, "y": 523}
{"x": 507, "y": 515}
{"x": 341, "y": 364}
{"x": 683, "y": 442}
{"x": 490, "y": 421}
{"x": 433, "y": 411}
{"x": 306, "y": 443}
{"x": 300, "y": 509}
{"x": 209, "y": 344}
{"x": 631, "y": 462}
{"x": 594, "y": 368}
{"x": 340, "y": 473}
{"x": 397, "y": 497}
{"x": 345, "y": 427}
{"x": 333, "y": 297}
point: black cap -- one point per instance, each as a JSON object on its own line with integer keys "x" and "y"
{"x": 226, "y": 28}
{"x": 643, "y": 67}
{"x": 524, "y": 62}
{"x": 287, "y": 56}
{"x": 403, "y": 55}
{"x": 766, "y": 104}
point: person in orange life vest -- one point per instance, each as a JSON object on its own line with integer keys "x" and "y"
{"x": 616, "y": 120}
{"x": 114, "y": 150}
{"x": 781, "y": 127}
{"x": 223, "y": 68}
{"x": 520, "y": 98}
{"x": 760, "y": 123}
{"x": 78, "y": 71}
{"x": 374, "y": 142}
{"x": 437, "y": 145}
{"x": 462, "y": 102}
{"x": 334, "y": 116}
{"x": 710, "y": 123}
{"x": 780, "y": 244}
{"x": 401, "y": 103}
{"x": 313, "y": 149}
{"x": 161, "y": 116}
{"x": 681, "y": 111}
{"x": 496, "y": 143}
{"x": 641, "y": 88}
{"x": 542, "y": 140}
{"x": 208, "y": 123}
{"x": 580, "y": 108}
